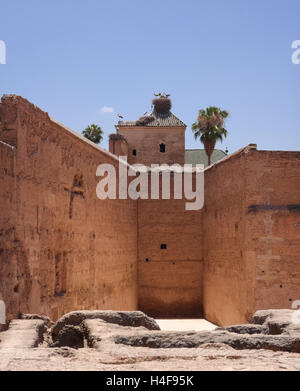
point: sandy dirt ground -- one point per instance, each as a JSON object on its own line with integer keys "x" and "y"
{"x": 17, "y": 353}
{"x": 206, "y": 358}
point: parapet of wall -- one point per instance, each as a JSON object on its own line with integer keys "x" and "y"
{"x": 170, "y": 279}
{"x": 251, "y": 234}
{"x": 67, "y": 249}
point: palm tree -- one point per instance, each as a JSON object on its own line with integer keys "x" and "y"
{"x": 209, "y": 128}
{"x": 94, "y": 133}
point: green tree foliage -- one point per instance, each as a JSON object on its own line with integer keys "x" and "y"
{"x": 209, "y": 128}
{"x": 94, "y": 133}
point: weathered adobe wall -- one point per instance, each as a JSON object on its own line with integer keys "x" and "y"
{"x": 72, "y": 250}
{"x": 251, "y": 229}
{"x": 118, "y": 147}
{"x": 273, "y": 226}
{"x": 8, "y": 244}
{"x": 170, "y": 283}
{"x": 227, "y": 279}
{"x": 62, "y": 249}
{"x": 146, "y": 141}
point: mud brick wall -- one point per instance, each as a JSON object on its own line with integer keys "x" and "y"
{"x": 63, "y": 249}
{"x": 69, "y": 250}
{"x": 251, "y": 235}
{"x": 227, "y": 280}
{"x": 10, "y": 252}
{"x": 273, "y": 226}
{"x": 169, "y": 280}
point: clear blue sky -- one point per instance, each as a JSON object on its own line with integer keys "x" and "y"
{"x": 72, "y": 58}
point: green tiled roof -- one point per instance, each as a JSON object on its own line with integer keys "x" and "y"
{"x": 198, "y": 156}
{"x": 155, "y": 119}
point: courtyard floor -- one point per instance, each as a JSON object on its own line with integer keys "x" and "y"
{"x": 185, "y": 324}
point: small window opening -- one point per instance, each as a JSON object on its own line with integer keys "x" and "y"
{"x": 162, "y": 148}
{"x": 163, "y": 246}
{"x": 134, "y": 152}
{"x": 147, "y": 259}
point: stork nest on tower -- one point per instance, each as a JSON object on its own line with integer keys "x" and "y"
{"x": 144, "y": 120}
{"x": 116, "y": 136}
{"x": 162, "y": 105}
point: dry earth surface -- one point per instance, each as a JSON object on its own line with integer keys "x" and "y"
{"x": 112, "y": 341}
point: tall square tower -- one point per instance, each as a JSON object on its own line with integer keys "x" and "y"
{"x": 154, "y": 139}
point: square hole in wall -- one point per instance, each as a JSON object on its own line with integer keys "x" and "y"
{"x": 162, "y": 148}
{"x": 134, "y": 152}
{"x": 163, "y": 246}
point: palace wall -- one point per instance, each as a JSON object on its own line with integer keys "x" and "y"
{"x": 169, "y": 279}
{"x": 62, "y": 249}
{"x": 251, "y": 228}
{"x": 67, "y": 249}
{"x": 228, "y": 280}
{"x": 273, "y": 227}
{"x": 10, "y": 251}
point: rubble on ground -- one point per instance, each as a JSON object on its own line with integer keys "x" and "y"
{"x": 131, "y": 338}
